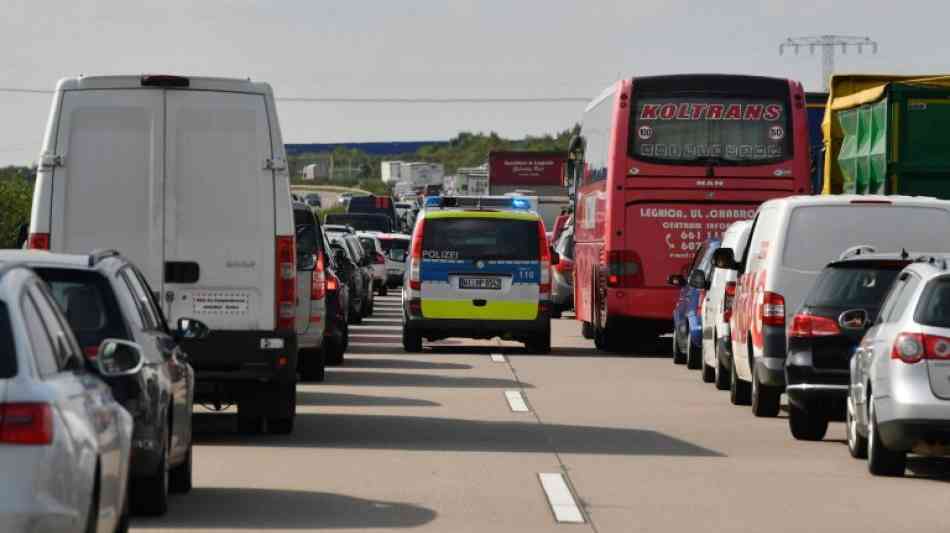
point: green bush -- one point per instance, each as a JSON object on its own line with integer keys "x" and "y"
{"x": 16, "y": 196}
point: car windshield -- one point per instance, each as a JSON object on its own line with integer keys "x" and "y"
{"x": 7, "y": 346}
{"x": 934, "y": 307}
{"x": 89, "y": 304}
{"x": 396, "y": 249}
{"x": 853, "y": 286}
{"x": 480, "y": 238}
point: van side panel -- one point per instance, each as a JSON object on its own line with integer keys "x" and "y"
{"x": 108, "y": 193}
{"x": 219, "y": 205}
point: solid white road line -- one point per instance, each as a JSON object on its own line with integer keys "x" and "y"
{"x": 498, "y": 358}
{"x": 560, "y": 499}
{"x": 516, "y": 401}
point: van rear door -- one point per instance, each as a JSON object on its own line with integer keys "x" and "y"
{"x": 219, "y": 210}
{"x": 108, "y": 194}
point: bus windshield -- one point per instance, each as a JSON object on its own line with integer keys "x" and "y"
{"x": 709, "y": 130}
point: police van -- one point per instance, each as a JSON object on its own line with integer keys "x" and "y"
{"x": 479, "y": 268}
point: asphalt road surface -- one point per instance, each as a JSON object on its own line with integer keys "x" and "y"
{"x": 430, "y": 441}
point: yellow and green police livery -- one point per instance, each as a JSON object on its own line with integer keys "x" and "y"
{"x": 479, "y": 270}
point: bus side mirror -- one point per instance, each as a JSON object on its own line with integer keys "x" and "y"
{"x": 725, "y": 259}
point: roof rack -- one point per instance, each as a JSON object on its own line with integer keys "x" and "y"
{"x": 99, "y": 255}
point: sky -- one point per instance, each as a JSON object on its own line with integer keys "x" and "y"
{"x": 437, "y": 49}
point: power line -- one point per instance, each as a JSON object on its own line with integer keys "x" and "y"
{"x": 828, "y": 44}
{"x": 357, "y": 100}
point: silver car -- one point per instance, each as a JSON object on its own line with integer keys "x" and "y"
{"x": 64, "y": 440}
{"x": 899, "y": 392}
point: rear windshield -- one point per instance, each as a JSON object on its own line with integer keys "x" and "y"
{"x": 934, "y": 307}
{"x": 371, "y": 204}
{"x": 810, "y": 245}
{"x": 853, "y": 286}
{"x": 368, "y": 245}
{"x": 362, "y": 222}
{"x": 396, "y": 249}
{"x": 7, "y": 346}
{"x": 480, "y": 238}
{"x": 89, "y": 304}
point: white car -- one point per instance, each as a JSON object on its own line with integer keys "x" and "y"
{"x": 188, "y": 178}
{"x": 64, "y": 440}
{"x": 396, "y": 250}
{"x": 791, "y": 240}
{"x": 717, "y": 311}
{"x": 377, "y": 256}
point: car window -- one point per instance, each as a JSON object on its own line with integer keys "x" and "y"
{"x": 40, "y": 339}
{"x": 145, "y": 297}
{"x": 901, "y": 299}
{"x": 368, "y": 245}
{"x": 8, "y": 364}
{"x": 68, "y": 347}
{"x": 934, "y": 307}
{"x": 89, "y": 304}
{"x": 852, "y": 286}
{"x": 697, "y": 258}
{"x": 147, "y": 316}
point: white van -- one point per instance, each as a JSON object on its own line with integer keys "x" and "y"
{"x": 791, "y": 240}
{"x": 187, "y": 177}
{"x": 717, "y": 310}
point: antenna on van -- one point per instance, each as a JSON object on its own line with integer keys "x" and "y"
{"x": 904, "y": 254}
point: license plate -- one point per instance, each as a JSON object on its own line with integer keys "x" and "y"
{"x": 493, "y": 284}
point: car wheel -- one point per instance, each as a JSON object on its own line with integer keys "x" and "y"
{"x": 540, "y": 343}
{"x": 765, "y": 400}
{"x": 679, "y": 357}
{"x": 123, "y": 525}
{"x": 806, "y": 424}
{"x": 694, "y": 356}
{"x": 857, "y": 445}
{"x": 383, "y": 290}
{"x": 356, "y": 316}
{"x": 180, "y": 478}
{"x": 286, "y": 397}
{"x": 882, "y": 461}
{"x": 587, "y": 331}
{"x": 709, "y": 373}
{"x": 738, "y": 389}
{"x": 411, "y": 340}
{"x": 312, "y": 364}
{"x": 92, "y": 514}
{"x": 333, "y": 351}
{"x": 722, "y": 376}
{"x": 150, "y": 493}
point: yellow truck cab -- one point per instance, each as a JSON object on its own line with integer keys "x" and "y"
{"x": 479, "y": 268}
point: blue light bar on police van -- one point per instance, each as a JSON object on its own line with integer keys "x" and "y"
{"x": 433, "y": 201}
{"x": 479, "y": 202}
{"x": 520, "y": 203}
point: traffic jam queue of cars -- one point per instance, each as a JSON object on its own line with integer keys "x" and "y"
{"x": 221, "y": 296}
{"x": 842, "y": 303}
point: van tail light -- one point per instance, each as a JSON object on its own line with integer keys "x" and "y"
{"x": 26, "y": 423}
{"x": 913, "y": 347}
{"x": 38, "y": 241}
{"x": 333, "y": 282}
{"x": 727, "y": 302}
{"x": 805, "y": 325}
{"x": 544, "y": 255}
{"x": 286, "y": 283}
{"x": 623, "y": 269}
{"x": 318, "y": 283}
{"x": 773, "y": 309}
{"x": 415, "y": 258}
{"x": 380, "y": 258}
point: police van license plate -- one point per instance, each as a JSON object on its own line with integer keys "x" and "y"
{"x": 493, "y": 284}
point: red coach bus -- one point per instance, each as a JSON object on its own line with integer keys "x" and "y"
{"x": 667, "y": 162}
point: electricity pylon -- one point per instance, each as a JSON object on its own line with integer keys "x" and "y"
{"x": 828, "y": 43}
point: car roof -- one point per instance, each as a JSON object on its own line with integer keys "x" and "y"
{"x": 480, "y": 213}
{"x": 195, "y": 83}
{"x": 110, "y": 259}
{"x": 854, "y": 199}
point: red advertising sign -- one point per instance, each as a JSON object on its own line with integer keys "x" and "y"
{"x": 710, "y": 111}
{"x": 526, "y": 168}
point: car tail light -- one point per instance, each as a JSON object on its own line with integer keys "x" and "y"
{"x": 699, "y": 303}
{"x": 913, "y": 347}
{"x": 773, "y": 309}
{"x": 544, "y": 255}
{"x": 806, "y": 325}
{"x": 38, "y": 241}
{"x": 286, "y": 286}
{"x": 380, "y": 258}
{"x": 26, "y": 423}
{"x": 333, "y": 282}
{"x": 728, "y": 298}
{"x": 415, "y": 259}
{"x": 564, "y": 265}
{"x": 164, "y": 80}
{"x": 318, "y": 283}
{"x": 623, "y": 269}
{"x": 91, "y": 352}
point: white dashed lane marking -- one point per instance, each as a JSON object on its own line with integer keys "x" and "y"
{"x": 516, "y": 401}
{"x": 498, "y": 358}
{"x": 560, "y": 498}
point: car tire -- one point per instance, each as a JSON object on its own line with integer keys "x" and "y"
{"x": 92, "y": 514}
{"x": 285, "y": 396}
{"x": 150, "y": 493}
{"x": 587, "y": 331}
{"x": 383, "y": 290}
{"x": 411, "y": 340}
{"x": 806, "y": 424}
{"x": 722, "y": 375}
{"x": 881, "y": 460}
{"x": 694, "y": 356}
{"x": 180, "y": 477}
{"x": 124, "y": 519}
{"x": 356, "y": 316}
{"x": 709, "y": 373}
{"x": 679, "y": 357}
{"x": 765, "y": 400}
{"x": 739, "y": 392}
{"x": 312, "y": 364}
{"x": 857, "y": 445}
{"x": 540, "y": 343}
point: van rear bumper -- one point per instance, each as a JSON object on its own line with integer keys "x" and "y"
{"x": 437, "y": 328}
{"x": 244, "y": 356}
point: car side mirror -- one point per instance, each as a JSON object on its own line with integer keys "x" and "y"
{"x": 676, "y": 280}
{"x": 854, "y": 319}
{"x": 725, "y": 258}
{"x": 118, "y": 358}
{"x": 697, "y": 279}
{"x": 191, "y": 329}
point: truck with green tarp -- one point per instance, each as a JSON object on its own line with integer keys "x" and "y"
{"x": 887, "y": 135}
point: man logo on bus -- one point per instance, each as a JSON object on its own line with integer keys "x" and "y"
{"x": 645, "y": 132}
{"x": 776, "y": 133}
{"x": 699, "y": 111}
